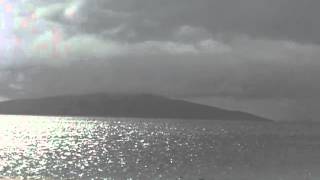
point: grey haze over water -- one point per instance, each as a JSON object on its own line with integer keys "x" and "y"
{"x": 256, "y": 55}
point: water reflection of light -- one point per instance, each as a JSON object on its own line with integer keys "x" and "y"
{"x": 29, "y": 137}
{"x": 115, "y": 148}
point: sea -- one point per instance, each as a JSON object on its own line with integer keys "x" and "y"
{"x": 35, "y": 147}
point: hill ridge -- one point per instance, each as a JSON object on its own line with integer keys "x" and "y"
{"x": 121, "y": 105}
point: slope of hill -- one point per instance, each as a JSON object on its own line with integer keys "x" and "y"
{"x": 120, "y": 105}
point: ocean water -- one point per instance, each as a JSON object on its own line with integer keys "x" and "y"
{"x": 150, "y": 149}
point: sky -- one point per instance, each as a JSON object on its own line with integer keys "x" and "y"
{"x": 261, "y": 56}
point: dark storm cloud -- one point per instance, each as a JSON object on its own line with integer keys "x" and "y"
{"x": 221, "y": 48}
{"x": 250, "y": 49}
{"x": 277, "y": 19}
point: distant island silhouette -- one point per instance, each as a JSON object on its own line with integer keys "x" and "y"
{"x": 121, "y": 105}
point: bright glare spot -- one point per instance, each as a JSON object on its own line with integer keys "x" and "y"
{"x": 71, "y": 11}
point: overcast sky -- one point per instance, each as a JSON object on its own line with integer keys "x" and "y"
{"x": 256, "y": 55}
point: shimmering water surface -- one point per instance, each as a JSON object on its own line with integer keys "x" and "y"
{"x": 124, "y": 148}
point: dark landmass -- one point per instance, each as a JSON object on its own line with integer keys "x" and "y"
{"x": 120, "y": 105}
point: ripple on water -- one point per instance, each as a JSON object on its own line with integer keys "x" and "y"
{"x": 83, "y": 148}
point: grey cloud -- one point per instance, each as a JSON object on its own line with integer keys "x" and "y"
{"x": 277, "y": 19}
{"x": 253, "y": 49}
{"x": 273, "y": 70}
{"x": 159, "y": 19}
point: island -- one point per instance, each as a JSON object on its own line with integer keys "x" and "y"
{"x": 121, "y": 105}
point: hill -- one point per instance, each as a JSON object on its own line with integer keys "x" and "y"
{"x": 121, "y": 105}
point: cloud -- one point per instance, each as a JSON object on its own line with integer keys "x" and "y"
{"x": 49, "y": 11}
{"x": 48, "y": 49}
{"x": 275, "y": 19}
{"x": 144, "y": 21}
{"x": 244, "y": 68}
{"x": 252, "y": 49}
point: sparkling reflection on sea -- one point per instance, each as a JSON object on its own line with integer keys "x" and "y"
{"x": 126, "y": 148}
